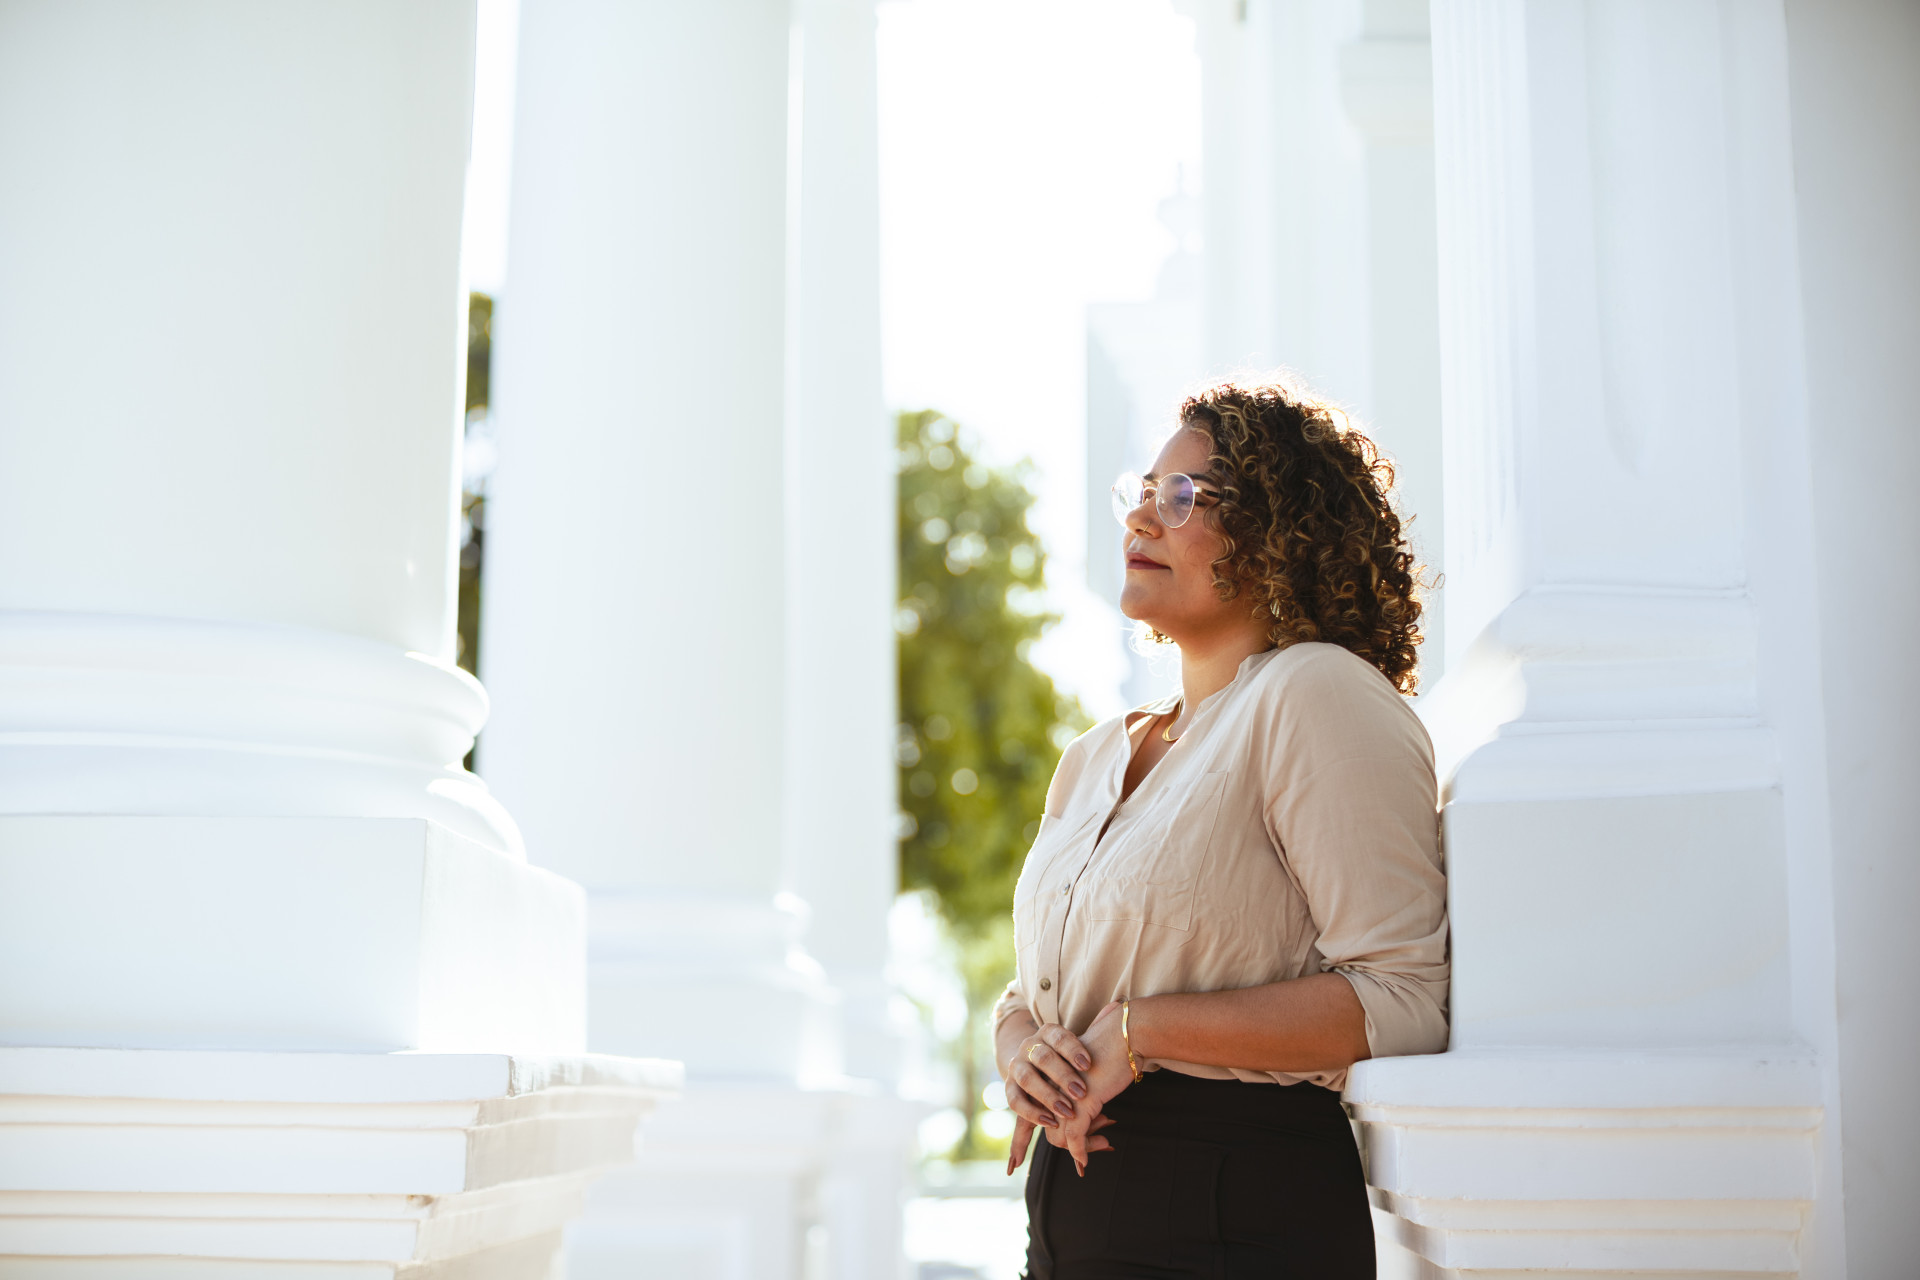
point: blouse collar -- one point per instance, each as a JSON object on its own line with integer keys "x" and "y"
{"x": 1161, "y": 706}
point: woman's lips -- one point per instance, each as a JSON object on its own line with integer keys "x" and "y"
{"x": 1141, "y": 562}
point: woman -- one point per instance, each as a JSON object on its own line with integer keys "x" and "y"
{"x": 1236, "y": 893}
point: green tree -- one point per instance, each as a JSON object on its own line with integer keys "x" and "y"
{"x": 981, "y": 728}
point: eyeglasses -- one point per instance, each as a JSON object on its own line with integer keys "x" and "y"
{"x": 1174, "y": 497}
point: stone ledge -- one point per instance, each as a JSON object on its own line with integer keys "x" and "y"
{"x": 184, "y": 1075}
{"x": 138, "y": 1158}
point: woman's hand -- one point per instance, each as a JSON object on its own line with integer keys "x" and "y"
{"x": 1041, "y": 1068}
{"x": 1315, "y": 1023}
{"x": 1108, "y": 1074}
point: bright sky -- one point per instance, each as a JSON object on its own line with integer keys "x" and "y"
{"x": 1025, "y": 146}
{"x": 483, "y": 251}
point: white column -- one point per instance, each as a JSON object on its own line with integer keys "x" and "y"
{"x": 239, "y": 861}
{"x": 840, "y": 574}
{"x": 1235, "y": 184}
{"x": 841, "y": 846}
{"x": 1386, "y": 85}
{"x": 634, "y": 603}
{"x": 1628, "y": 621}
{"x": 641, "y": 634}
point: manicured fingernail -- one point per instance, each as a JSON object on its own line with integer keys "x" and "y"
{"x": 1064, "y": 1108}
{"x": 1077, "y": 1089}
{"x": 1083, "y": 1062}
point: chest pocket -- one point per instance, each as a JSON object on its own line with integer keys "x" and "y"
{"x": 1154, "y": 869}
{"x": 1054, "y": 835}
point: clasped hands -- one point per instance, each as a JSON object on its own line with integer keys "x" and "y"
{"x": 1058, "y": 1082}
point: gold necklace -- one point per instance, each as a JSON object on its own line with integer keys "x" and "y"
{"x": 1166, "y": 734}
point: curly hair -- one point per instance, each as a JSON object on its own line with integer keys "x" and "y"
{"x": 1312, "y": 539}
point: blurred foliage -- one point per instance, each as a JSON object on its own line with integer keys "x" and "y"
{"x": 981, "y": 727}
{"x": 473, "y": 490}
{"x": 473, "y": 500}
{"x": 479, "y": 350}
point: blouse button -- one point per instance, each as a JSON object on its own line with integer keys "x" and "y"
{"x": 1065, "y": 889}
{"x": 1046, "y": 984}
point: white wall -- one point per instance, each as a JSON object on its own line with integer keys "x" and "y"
{"x": 1855, "y": 76}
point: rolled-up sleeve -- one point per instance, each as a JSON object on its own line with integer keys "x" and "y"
{"x": 1353, "y": 813}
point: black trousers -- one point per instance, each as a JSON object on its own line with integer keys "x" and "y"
{"x": 1213, "y": 1179}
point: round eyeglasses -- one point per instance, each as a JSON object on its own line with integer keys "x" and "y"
{"x": 1174, "y": 497}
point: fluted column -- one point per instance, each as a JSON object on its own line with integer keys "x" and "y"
{"x": 1597, "y": 214}
{"x": 1626, "y": 632}
{"x": 240, "y": 863}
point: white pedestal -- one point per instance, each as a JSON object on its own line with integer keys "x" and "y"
{"x": 130, "y": 1162}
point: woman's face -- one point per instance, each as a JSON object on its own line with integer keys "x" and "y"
{"x": 1169, "y": 581}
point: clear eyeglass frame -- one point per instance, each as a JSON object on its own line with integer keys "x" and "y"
{"x": 1174, "y": 497}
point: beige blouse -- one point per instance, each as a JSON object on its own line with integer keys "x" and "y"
{"x": 1291, "y": 830}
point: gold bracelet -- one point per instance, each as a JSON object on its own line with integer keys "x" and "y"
{"x": 1125, "y": 1008}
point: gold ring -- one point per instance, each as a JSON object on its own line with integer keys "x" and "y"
{"x": 1033, "y": 1049}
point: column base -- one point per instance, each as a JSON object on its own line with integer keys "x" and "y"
{"x": 1523, "y": 1162}
{"x": 775, "y": 1164}
{"x": 756, "y": 1182}
{"x": 283, "y": 933}
{"x": 133, "y": 1162}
